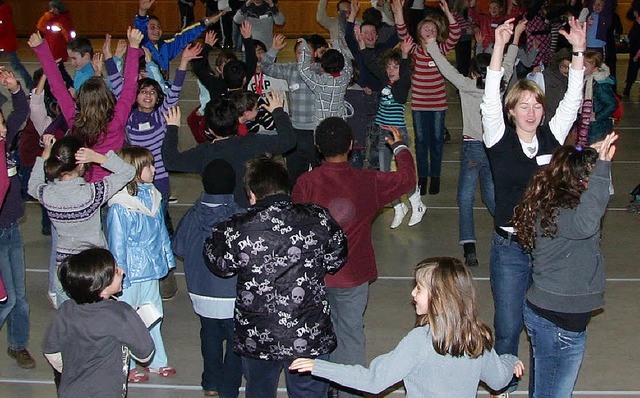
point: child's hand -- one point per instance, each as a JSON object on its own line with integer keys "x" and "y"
{"x": 520, "y": 27}
{"x": 395, "y": 135}
{"x": 145, "y": 5}
{"x": 106, "y": 47}
{"x": 479, "y": 36}
{"x": 210, "y": 38}
{"x": 86, "y": 155}
{"x": 445, "y": 7}
{"x": 47, "y": 140}
{"x": 396, "y": 6}
{"x": 215, "y": 18}
{"x": 279, "y": 42}
{"x": 190, "y": 52}
{"x": 172, "y": 116}
{"x": 605, "y": 148}
{"x": 302, "y": 365}
{"x": 9, "y": 81}
{"x": 96, "y": 62}
{"x": 518, "y": 370}
{"x": 357, "y": 33}
{"x": 135, "y": 37}
{"x": 245, "y": 29}
{"x": 35, "y": 40}
{"x": 276, "y": 101}
{"x": 504, "y": 32}
{"x": 121, "y": 48}
{"x": 406, "y": 46}
{"x": 147, "y": 55}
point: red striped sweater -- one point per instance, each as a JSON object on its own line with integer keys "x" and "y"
{"x": 427, "y": 83}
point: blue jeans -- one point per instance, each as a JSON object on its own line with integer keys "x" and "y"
{"x": 15, "y": 312}
{"x": 510, "y": 279}
{"x": 18, "y": 68}
{"x": 262, "y": 380}
{"x": 384, "y": 150}
{"x": 429, "y": 130}
{"x": 473, "y": 164}
{"x": 557, "y": 357}
{"x": 222, "y": 368}
{"x": 347, "y": 315}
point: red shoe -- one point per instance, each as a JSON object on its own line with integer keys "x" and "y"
{"x": 164, "y": 371}
{"x": 136, "y": 376}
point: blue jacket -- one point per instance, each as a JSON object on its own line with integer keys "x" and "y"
{"x": 138, "y": 237}
{"x": 188, "y": 243}
{"x": 168, "y": 49}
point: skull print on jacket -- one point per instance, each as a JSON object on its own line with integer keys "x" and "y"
{"x": 281, "y": 252}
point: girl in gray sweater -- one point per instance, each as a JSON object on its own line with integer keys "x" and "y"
{"x": 446, "y": 355}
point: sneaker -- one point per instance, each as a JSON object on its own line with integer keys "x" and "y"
{"x": 503, "y": 395}
{"x": 447, "y": 136}
{"x": 418, "y": 209}
{"x": 172, "y": 199}
{"x": 400, "y": 210}
{"x": 136, "y": 376}
{"x": 164, "y": 371}
{"x": 470, "y": 260}
{"x": 24, "y": 359}
{"x": 210, "y": 393}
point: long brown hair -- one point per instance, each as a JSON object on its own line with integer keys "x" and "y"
{"x": 557, "y": 186}
{"x": 442, "y": 24}
{"x": 452, "y": 312}
{"x": 140, "y": 158}
{"x": 95, "y": 104}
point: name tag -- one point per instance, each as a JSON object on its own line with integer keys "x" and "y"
{"x": 386, "y": 91}
{"x": 294, "y": 87}
{"x": 495, "y": 25}
{"x": 264, "y": 16}
{"x": 144, "y": 126}
{"x": 431, "y": 63}
{"x": 543, "y": 160}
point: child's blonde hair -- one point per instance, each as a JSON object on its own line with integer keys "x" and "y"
{"x": 442, "y": 24}
{"x": 140, "y": 158}
{"x": 451, "y": 310}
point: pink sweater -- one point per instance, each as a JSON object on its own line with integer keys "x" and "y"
{"x": 114, "y": 137}
{"x": 427, "y": 83}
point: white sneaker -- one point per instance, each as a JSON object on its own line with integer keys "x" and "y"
{"x": 52, "y": 299}
{"x": 400, "y": 210}
{"x": 418, "y": 209}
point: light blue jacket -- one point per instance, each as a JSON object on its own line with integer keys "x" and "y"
{"x": 138, "y": 237}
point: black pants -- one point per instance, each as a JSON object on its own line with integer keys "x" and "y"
{"x": 303, "y": 156}
{"x": 463, "y": 57}
{"x": 632, "y": 74}
{"x": 186, "y": 13}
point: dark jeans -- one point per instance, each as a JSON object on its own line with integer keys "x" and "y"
{"x": 632, "y": 74}
{"x": 262, "y": 380}
{"x": 186, "y": 14}
{"x": 222, "y": 367}
{"x": 303, "y": 156}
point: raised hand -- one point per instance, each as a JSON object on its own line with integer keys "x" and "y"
{"x": 245, "y": 29}
{"x": 275, "y": 99}
{"x": 121, "y": 48}
{"x": 35, "y": 40}
{"x": 577, "y": 35}
{"x": 147, "y": 55}
{"x": 47, "y": 140}
{"x": 86, "y": 155}
{"x": 135, "y": 37}
{"x": 8, "y": 80}
{"x": 144, "y": 6}
{"x": 210, "y": 38}
{"x": 445, "y": 7}
{"x": 358, "y": 35}
{"x": 96, "y": 63}
{"x": 397, "y": 6}
{"x": 172, "y": 116}
{"x": 215, "y": 18}
{"x": 279, "y": 42}
{"x": 504, "y": 33}
{"x": 521, "y": 26}
{"x": 606, "y": 148}
{"x": 106, "y": 47}
{"x": 192, "y": 51}
{"x": 407, "y": 46}
{"x": 395, "y": 135}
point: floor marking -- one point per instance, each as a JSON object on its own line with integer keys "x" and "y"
{"x": 284, "y": 390}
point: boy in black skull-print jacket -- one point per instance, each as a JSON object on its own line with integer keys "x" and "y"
{"x": 281, "y": 252}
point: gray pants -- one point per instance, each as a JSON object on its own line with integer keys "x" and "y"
{"x": 347, "y": 314}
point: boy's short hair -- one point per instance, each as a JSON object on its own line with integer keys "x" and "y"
{"x": 221, "y": 117}
{"x": 391, "y": 55}
{"x": 316, "y": 41}
{"x": 234, "y": 73}
{"x": 369, "y": 23}
{"x": 333, "y": 137}
{"x": 332, "y": 61}
{"x": 244, "y": 100}
{"x": 372, "y": 16}
{"x": 259, "y": 44}
{"x": 85, "y": 275}
{"x": 81, "y": 45}
{"x": 266, "y": 176}
{"x": 219, "y": 178}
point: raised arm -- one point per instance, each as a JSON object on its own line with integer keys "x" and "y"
{"x": 322, "y": 17}
{"x": 448, "y": 71}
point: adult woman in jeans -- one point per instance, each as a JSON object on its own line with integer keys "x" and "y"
{"x": 559, "y": 221}
{"x": 516, "y": 151}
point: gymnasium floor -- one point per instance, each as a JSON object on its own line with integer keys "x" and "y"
{"x": 611, "y": 362}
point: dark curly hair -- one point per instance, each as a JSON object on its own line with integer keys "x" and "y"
{"x": 557, "y": 186}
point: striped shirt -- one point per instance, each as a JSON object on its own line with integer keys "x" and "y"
{"x": 148, "y": 130}
{"x": 390, "y": 113}
{"x": 427, "y": 83}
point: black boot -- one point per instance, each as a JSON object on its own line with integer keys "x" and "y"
{"x": 422, "y": 184}
{"x": 434, "y": 186}
{"x": 470, "y": 258}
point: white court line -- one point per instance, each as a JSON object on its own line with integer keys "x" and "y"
{"x": 384, "y": 278}
{"x": 284, "y": 390}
